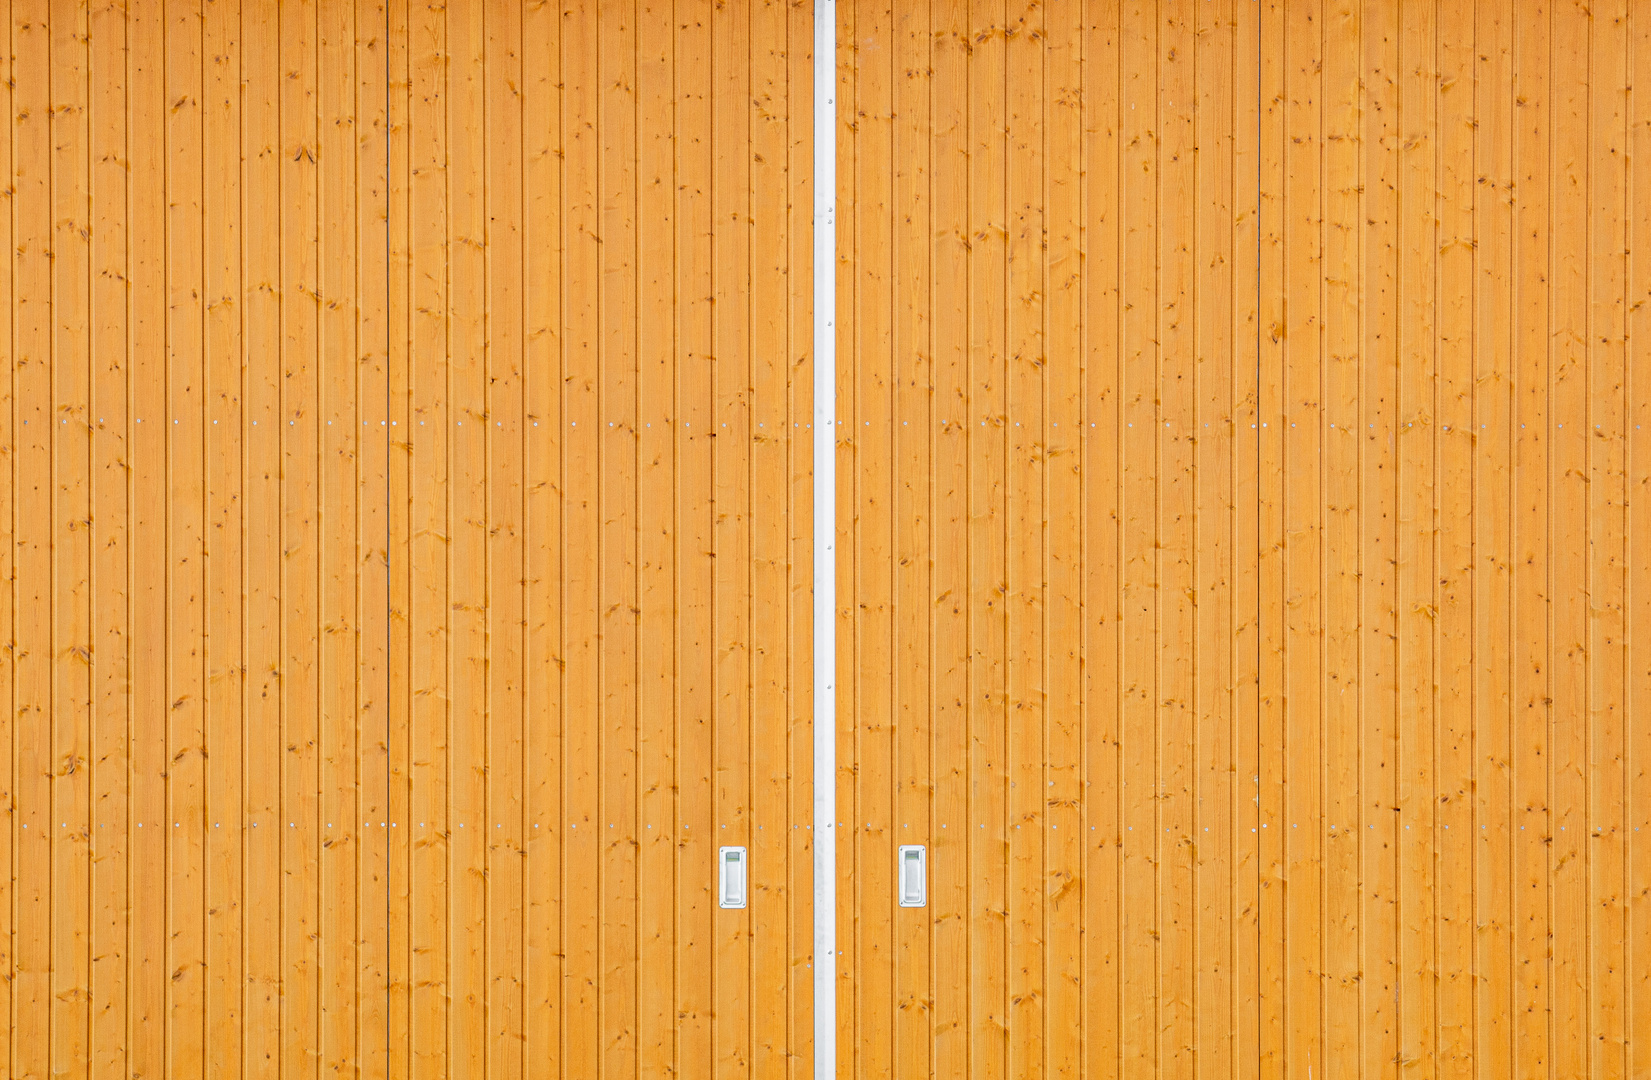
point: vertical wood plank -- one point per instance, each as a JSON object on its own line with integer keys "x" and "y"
{"x": 1376, "y": 824}
{"x": 616, "y": 438}
{"x": 70, "y": 714}
{"x": 1638, "y": 390}
{"x": 1211, "y": 445}
{"x": 146, "y": 1022}
{"x": 111, "y": 422}
{"x": 1062, "y": 497}
{"x": 1530, "y": 615}
{"x": 696, "y": 846}
{"x": 870, "y": 439}
{"x": 656, "y": 412}
{"x": 262, "y": 750}
{"x": 951, "y": 829}
{"x": 1173, "y": 699}
{"x": 399, "y": 681}
{"x": 428, "y": 430}
{"x": 1270, "y": 535}
{"x": 225, "y": 535}
{"x": 542, "y": 244}
{"x": 768, "y": 274}
{"x": 1572, "y": 530}
{"x": 1343, "y": 443}
{"x": 12, "y": 404}
{"x": 1417, "y": 613}
{"x": 468, "y": 523}
{"x": 1453, "y": 834}
{"x": 1493, "y": 437}
{"x": 339, "y": 453}
{"x": 38, "y": 607}
{"x": 988, "y": 686}
{"x": 1608, "y": 751}
{"x": 33, "y": 599}
{"x": 1246, "y": 607}
{"x": 1025, "y": 533}
{"x": 301, "y": 495}
{"x": 1603, "y": 819}
{"x": 1138, "y": 556}
{"x": 582, "y": 932}
{"x": 502, "y": 821}
{"x": 370, "y": 800}
{"x": 905, "y": 461}
{"x": 186, "y": 545}
{"x": 1302, "y": 435}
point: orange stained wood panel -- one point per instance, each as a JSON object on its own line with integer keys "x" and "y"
{"x": 406, "y": 539}
{"x": 599, "y": 556}
{"x": 1239, "y": 506}
{"x": 406, "y": 514}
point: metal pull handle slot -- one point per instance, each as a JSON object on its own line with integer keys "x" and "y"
{"x": 914, "y": 886}
{"x": 731, "y": 877}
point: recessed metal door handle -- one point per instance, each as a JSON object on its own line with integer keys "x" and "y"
{"x": 731, "y": 877}
{"x": 914, "y": 885}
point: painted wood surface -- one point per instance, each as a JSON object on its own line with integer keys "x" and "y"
{"x": 1244, "y": 593}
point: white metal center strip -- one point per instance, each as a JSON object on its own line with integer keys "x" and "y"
{"x": 825, "y": 540}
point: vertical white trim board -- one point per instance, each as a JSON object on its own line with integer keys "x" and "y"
{"x": 825, "y": 540}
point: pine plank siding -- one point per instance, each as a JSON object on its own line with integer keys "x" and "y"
{"x": 406, "y": 517}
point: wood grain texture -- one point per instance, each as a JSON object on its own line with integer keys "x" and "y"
{"x": 405, "y": 538}
{"x": 607, "y": 566}
{"x": 1343, "y": 297}
{"x": 402, "y": 470}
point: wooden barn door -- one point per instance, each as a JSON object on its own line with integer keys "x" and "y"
{"x": 1048, "y": 490}
{"x": 600, "y": 641}
{"x": 404, "y": 539}
{"x": 194, "y": 508}
{"x": 1243, "y": 538}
